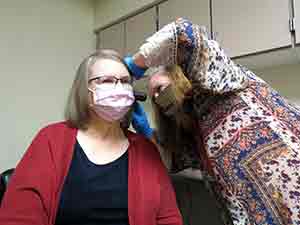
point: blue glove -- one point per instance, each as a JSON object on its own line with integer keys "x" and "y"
{"x": 136, "y": 71}
{"x": 140, "y": 122}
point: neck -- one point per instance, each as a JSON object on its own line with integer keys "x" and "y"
{"x": 102, "y": 129}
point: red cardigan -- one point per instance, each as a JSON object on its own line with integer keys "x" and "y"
{"x": 34, "y": 190}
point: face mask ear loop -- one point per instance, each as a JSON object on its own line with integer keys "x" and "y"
{"x": 93, "y": 97}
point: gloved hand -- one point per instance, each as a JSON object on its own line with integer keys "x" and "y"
{"x": 136, "y": 71}
{"x": 140, "y": 122}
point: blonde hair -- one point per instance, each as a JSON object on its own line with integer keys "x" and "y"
{"x": 169, "y": 131}
{"x": 181, "y": 85}
{"x": 77, "y": 106}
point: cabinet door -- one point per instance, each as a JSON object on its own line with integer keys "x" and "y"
{"x": 297, "y": 16}
{"x": 113, "y": 37}
{"x": 245, "y": 27}
{"x": 296, "y": 51}
{"x": 138, "y": 28}
{"x": 276, "y": 58}
{"x": 195, "y": 10}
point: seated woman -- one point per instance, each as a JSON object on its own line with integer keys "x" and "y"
{"x": 87, "y": 170}
{"x": 247, "y": 134}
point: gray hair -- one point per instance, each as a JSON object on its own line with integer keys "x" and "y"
{"x": 77, "y": 106}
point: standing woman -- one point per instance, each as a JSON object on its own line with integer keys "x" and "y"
{"x": 248, "y": 134}
{"x": 87, "y": 169}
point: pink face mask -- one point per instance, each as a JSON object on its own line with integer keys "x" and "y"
{"x": 112, "y": 101}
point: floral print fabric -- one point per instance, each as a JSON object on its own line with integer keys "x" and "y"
{"x": 250, "y": 134}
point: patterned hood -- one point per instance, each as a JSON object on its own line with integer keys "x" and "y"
{"x": 203, "y": 61}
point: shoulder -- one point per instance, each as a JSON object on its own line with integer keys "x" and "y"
{"x": 52, "y": 144}
{"x": 56, "y": 129}
{"x": 139, "y": 139}
{"x": 59, "y": 132}
{"x": 147, "y": 158}
{"x": 145, "y": 147}
{"x": 61, "y": 125}
{"x": 43, "y": 147}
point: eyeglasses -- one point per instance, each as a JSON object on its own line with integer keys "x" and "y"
{"x": 111, "y": 80}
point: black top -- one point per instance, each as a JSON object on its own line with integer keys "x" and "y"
{"x": 94, "y": 194}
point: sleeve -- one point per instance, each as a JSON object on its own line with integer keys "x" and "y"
{"x": 202, "y": 60}
{"x": 168, "y": 212}
{"x": 27, "y": 198}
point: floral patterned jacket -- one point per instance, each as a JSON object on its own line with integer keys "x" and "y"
{"x": 249, "y": 133}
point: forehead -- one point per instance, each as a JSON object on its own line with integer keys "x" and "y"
{"x": 159, "y": 78}
{"x": 103, "y": 67}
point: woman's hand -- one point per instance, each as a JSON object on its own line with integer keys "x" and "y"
{"x": 136, "y": 65}
{"x": 140, "y": 122}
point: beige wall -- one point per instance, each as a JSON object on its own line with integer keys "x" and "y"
{"x": 285, "y": 79}
{"x": 42, "y": 43}
{"x": 107, "y": 11}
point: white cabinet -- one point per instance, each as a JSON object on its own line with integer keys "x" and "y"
{"x": 257, "y": 62}
{"x": 113, "y": 37}
{"x": 195, "y": 10}
{"x": 297, "y": 20}
{"x": 246, "y": 27}
{"x": 138, "y": 28}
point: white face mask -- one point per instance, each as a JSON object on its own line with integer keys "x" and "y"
{"x": 112, "y": 101}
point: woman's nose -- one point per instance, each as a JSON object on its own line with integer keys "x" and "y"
{"x": 118, "y": 84}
